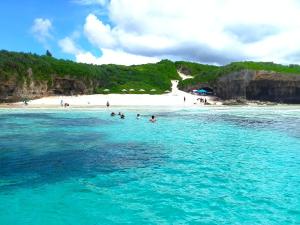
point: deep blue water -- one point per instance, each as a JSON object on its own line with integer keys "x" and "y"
{"x": 226, "y": 165}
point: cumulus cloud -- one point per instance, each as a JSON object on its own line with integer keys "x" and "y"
{"x": 41, "y": 29}
{"x": 215, "y": 31}
{"x": 68, "y": 46}
{"x": 114, "y": 56}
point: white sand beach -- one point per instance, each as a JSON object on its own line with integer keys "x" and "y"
{"x": 174, "y": 98}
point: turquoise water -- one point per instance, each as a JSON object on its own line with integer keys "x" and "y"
{"x": 229, "y": 165}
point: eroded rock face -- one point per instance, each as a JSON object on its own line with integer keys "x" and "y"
{"x": 19, "y": 88}
{"x": 65, "y": 86}
{"x": 274, "y": 88}
{"x": 259, "y": 85}
{"x": 256, "y": 86}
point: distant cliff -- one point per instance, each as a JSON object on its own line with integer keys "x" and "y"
{"x": 260, "y": 86}
{"x": 249, "y": 81}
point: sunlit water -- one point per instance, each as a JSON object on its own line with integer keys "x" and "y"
{"x": 227, "y": 165}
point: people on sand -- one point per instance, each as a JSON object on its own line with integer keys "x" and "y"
{"x": 61, "y": 103}
{"x": 107, "y": 104}
{"x": 138, "y": 116}
{"x": 184, "y": 99}
{"x": 66, "y": 104}
{"x": 152, "y": 119}
{"x": 112, "y": 114}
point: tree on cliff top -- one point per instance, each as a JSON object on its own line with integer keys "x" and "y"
{"x": 48, "y": 53}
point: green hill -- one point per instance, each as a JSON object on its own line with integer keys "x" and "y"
{"x": 114, "y": 77}
{"x": 26, "y": 75}
{"x": 208, "y": 73}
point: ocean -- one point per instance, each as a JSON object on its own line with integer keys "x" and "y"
{"x": 206, "y": 165}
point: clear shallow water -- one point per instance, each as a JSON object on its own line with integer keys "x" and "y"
{"x": 230, "y": 165}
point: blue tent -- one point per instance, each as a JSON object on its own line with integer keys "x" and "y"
{"x": 201, "y": 91}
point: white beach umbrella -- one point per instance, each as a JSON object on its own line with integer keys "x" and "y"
{"x": 142, "y": 90}
{"x": 153, "y": 90}
{"x": 167, "y": 91}
{"x": 106, "y": 90}
{"x": 131, "y": 89}
{"x": 124, "y": 90}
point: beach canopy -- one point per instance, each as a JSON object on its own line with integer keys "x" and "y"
{"x": 131, "y": 90}
{"x": 142, "y": 90}
{"x": 124, "y": 90}
{"x": 106, "y": 90}
{"x": 202, "y": 91}
{"x": 153, "y": 90}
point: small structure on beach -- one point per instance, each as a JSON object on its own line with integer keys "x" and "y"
{"x": 131, "y": 89}
{"x": 106, "y": 90}
{"x": 142, "y": 90}
{"x": 204, "y": 91}
{"x": 124, "y": 90}
{"x": 153, "y": 90}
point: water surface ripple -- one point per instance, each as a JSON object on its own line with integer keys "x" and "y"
{"x": 227, "y": 165}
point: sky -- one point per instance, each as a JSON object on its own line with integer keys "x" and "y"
{"x": 145, "y": 31}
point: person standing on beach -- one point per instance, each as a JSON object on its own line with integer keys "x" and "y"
{"x": 107, "y": 104}
{"x": 184, "y": 99}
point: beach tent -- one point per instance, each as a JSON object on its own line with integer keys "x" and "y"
{"x": 201, "y": 91}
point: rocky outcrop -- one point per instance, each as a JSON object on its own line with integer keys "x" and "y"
{"x": 275, "y": 88}
{"x": 19, "y": 88}
{"x": 255, "y": 86}
{"x": 259, "y": 85}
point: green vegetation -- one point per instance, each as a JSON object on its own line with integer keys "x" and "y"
{"x": 153, "y": 78}
{"x": 113, "y": 77}
{"x": 209, "y": 73}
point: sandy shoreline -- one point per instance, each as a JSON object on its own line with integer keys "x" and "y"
{"x": 100, "y": 100}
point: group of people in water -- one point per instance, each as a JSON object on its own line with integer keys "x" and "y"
{"x": 138, "y": 116}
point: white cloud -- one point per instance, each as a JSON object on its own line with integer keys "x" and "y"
{"x": 41, "y": 29}
{"x": 114, "y": 56}
{"x": 214, "y": 31}
{"x": 98, "y": 33}
{"x": 68, "y": 46}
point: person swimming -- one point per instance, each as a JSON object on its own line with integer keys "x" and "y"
{"x": 152, "y": 119}
{"x": 122, "y": 116}
{"x": 138, "y": 116}
{"x": 112, "y": 114}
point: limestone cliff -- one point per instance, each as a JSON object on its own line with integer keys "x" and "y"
{"x": 255, "y": 85}
{"x": 15, "y": 89}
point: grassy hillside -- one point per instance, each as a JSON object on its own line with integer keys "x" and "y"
{"x": 114, "y": 77}
{"x": 14, "y": 66}
{"x": 208, "y": 73}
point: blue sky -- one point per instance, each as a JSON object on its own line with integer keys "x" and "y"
{"x": 141, "y": 31}
{"x": 16, "y": 20}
